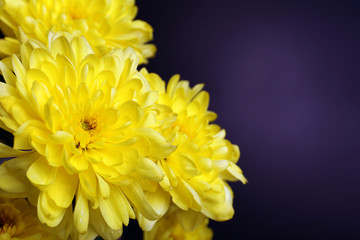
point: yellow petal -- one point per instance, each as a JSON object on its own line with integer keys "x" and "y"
{"x": 169, "y": 173}
{"x": 53, "y": 153}
{"x": 12, "y": 184}
{"x": 62, "y": 191}
{"x": 89, "y": 184}
{"x": 41, "y": 174}
{"x": 233, "y": 173}
{"x": 102, "y": 228}
{"x": 148, "y": 98}
{"x": 93, "y": 155}
{"x": 104, "y": 187}
{"x": 82, "y": 92}
{"x": 20, "y": 73}
{"x": 147, "y": 168}
{"x": 160, "y": 148}
{"x": 110, "y": 213}
{"x": 190, "y": 220}
{"x": 77, "y": 163}
{"x": 6, "y": 151}
{"x": 111, "y": 155}
{"x": 160, "y": 201}
{"x": 137, "y": 197}
{"x": 38, "y": 57}
{"x": 8, "y": 47}
{"x": 82, "y": 49}
{"x": 81, "y": 212}
{"x": 184, "y": 196}
{"x": 218, "y": 205}
{"x": 185, "y": 163}
{"x": 48, "y": 212}
{"x": 60, "y": 45}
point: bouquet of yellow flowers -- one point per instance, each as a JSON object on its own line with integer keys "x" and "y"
{"x": 98, "y": 141}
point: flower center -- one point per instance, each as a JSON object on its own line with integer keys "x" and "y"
{"x": 183, "y": 128}
{"x": 75, "y": 12}
{"x": 9, "y": 219}
{"x": 88, "y": 132}
{"x": 76, "y": 15}
{"x": 89, "y": 125}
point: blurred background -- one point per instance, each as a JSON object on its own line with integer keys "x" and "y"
{"x": 284, "y": 79}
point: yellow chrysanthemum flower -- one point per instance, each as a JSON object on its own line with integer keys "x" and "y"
{"x": 170, "y": 227}
{"x": 18, "y": 221}
{"x": 85, "y": 123}
{"x": 105, "y": 24}
{"x": 197, "y": 171}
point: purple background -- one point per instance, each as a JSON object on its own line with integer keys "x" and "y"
{"x": 284, "y": 80}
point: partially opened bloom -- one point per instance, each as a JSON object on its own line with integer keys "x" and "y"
{"x": 84, "y": 122}
{"x": 105, "y": 23}
{"x": 18, "y": 221}
{"x": 197, "y": 171}
{"x": 170, "y": 227}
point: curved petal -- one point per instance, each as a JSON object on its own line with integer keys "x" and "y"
{"x": 81, "y": 212}
{"x": 135, "y": 194}
{"x": 62, "y": 191}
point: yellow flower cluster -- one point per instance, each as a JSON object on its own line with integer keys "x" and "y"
{"x": 96, "y": 140}
{"x": 18, "y": 220}
{"x": 170, "y": 227}
{"x": 106, "y": 24}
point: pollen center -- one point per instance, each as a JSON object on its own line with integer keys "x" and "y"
{"x": 183, "y": 128}
{"x": 8, "y": 221}
{"x": 76, "y": 13}
{"x": 88, "y": 130}
{"x": 89, "y": 125}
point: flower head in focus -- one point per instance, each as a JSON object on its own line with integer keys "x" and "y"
{"x": 85, "y": 123}
{"x": 170, "y": 228}
{"x": 105, "y": 24}
{"x": 18, "y": 220}
{"x": 197, "y": 171}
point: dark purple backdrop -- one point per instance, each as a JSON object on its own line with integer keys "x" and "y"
{"x": 284, "y": 79}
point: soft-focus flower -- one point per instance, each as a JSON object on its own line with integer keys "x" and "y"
{"x": 170, "y": 228}
{"x": 197, "y": 171}
{"x": 18, "y": 220}
{"x": 84, "y": 122}
{"x": 105, "y": 24}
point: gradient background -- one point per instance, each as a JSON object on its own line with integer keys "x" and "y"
{"x": 284, "y": 78}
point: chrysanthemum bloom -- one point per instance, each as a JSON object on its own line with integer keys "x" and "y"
{"x": 85, "y": 123}
{"x": 105, "y": 23}
{"x": 18, "y": 220}
{"x": 170, "y": 227}
{"x": 197, "y": 171}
